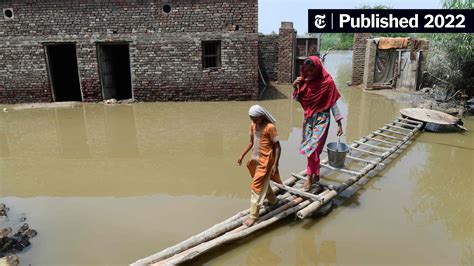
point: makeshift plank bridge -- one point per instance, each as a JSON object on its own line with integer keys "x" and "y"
{"x": 370, "y": 150}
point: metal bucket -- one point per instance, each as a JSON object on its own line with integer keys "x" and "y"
{"x": 337, "y": 154}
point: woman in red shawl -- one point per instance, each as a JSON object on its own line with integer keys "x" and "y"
{"x": 317, "y": 94}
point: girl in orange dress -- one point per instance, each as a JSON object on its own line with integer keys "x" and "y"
{"x": 263, "y": 166}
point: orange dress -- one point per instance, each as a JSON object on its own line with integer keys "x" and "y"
{"x": 263, "y": 155}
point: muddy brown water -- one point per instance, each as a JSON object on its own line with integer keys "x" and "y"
{"x": 107, "y": 185}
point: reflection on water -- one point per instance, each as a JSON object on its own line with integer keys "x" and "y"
{"x": 4, "y": 150}
{"x": 444, "y": 194}
{"x": 122, "y": 182}
{"x": 72, "y": 134}
{"x": 262, "y": 255}
{"x": 120, "y": 132}
{"x": 166, "y": 146}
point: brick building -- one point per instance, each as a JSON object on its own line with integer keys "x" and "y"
{"x": 149, "y": 50}
{"x": 280, "y": 55}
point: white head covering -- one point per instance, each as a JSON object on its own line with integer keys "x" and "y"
{"x": 258, "y": 111}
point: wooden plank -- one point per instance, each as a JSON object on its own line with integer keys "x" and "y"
{"x": 387, "y": 136}
{"x": 372, "y": 146}
{"x": 342, "y": 170}
{"x": 382, "y": 141}
{"x": 297, "y": 191}
{"x": 430, "y": 116}
{"x": 363, "y": 160}
{"x": 299, "y": 176}
{"x": 303, "y": 212}
{"x": 410, "y": 121}
{"x": 393, "y": 131}
{"x": 319, "y": 183}
{"x": 368, "y": 152}
{"x": 404, "y": 124}
{"x": 397, "y": 127}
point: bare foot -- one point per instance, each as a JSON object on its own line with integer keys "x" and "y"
{"x": 249, "y": 222}
{"x": 307, "y": 184}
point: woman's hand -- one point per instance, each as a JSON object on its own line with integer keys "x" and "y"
{"x": 339, "y": 129}
{"x": 297, "y": 82}
{"x": 274, "y": 169}
{"x": 239, "y": 161}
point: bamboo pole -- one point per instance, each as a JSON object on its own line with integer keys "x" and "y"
{"x": 311, "y": 208}
{"x": 368, "y": 152}
{"x": 316, "y": 205}
{"x": 342, "y": 170}
{"x": 391, "y": 143}
{"x": 410, "y": 121}
{"x": 363, "y": 160}
{"x": 298, "y": 192}
{"x": 371, "y": 146}
{"x": 387, "y": 136}
{"x": 392, "y": 125}
{"x": 359, "y": 159}
{"x": 320, "y": 183}
{"x": 296, "y": 204}
{"x": 208, "y": 234}
{"x": 404, "y": 124}
{"x": 238, "y": 233}
{"x": 299, "y": 176}
{"x": 393, "y": 131}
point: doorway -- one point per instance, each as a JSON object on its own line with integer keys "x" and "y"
{"x": 114, "y": 68}
{"x": 63, "y": 72}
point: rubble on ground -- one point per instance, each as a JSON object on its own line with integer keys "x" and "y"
{"x": 12, "y": 243}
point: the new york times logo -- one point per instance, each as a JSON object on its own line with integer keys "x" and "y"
{"x": 393, "y": 20}
{"x": 319, "y": 21}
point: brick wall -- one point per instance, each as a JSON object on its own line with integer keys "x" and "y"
{"x": 369, "y": 65}
{"x": 268, "y": 56}
{"x": 23, "y": 75}
{"x": 358, "y": 57}
{"x": 286, "y": 48}
{"x": 165, "y": 48}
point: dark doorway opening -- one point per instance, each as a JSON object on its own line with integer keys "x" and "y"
{"x": 63, "y": 72}
{"x": 114, "y": 68}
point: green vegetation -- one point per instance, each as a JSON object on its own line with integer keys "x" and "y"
{"x": 337, "y": 41}
{"x": 451, "y": 55}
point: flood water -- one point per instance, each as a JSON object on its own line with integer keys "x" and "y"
{"x": 107, "y": 185}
